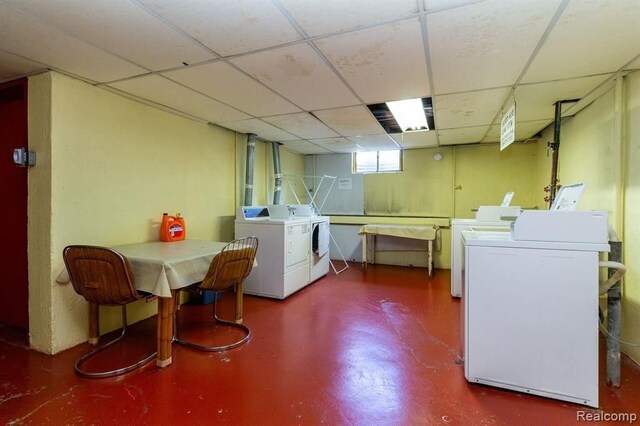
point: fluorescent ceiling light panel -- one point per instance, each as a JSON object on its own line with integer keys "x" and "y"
{"x": 391, "y": 120}
{"x": 409, "y": 114}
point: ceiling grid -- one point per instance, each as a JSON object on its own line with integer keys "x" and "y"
{"x": 302, "y": 73}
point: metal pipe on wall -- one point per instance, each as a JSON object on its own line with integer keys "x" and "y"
{"x": 614, "y": 294}
{"x": 248, "y": 183}
{"x": 555, "y": 147}
{"x": 613, "y": 320}
{"x": 277, "y": 171}
{"x": 620, "y": 155}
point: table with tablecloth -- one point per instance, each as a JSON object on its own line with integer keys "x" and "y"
{"x": 161, "y": 268}
{"x": 416, "y": 232}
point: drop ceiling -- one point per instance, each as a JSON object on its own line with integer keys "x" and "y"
{"x": 301, "y": 72}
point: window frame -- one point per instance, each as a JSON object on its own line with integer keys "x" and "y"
{"x": 354, "y": 163}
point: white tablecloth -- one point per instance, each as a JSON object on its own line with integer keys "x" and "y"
{"x": 417, "y": 232}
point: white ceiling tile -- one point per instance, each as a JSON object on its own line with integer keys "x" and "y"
{"x": 537, "y": 101}
{"x": 375, "y": 142}
{"x": 468, "y": 109}
{"x": 337, "y": 144}
{"x": 12, "y": 65}
{"x": 524, "y": 130}
{"x": 122, "y": 27}
{"x": 31, "y": 39}
{"x": 381, "y": 64}
{"x": 603, "y": 28}
{"x": 304, "y": 125}
{"x": 529, "y": 129}
{"x": 485, "y": 45}
{"x": 228, "y": 27}
{"x": 165, "y": 92}
{"x": 304, "y": 147}
{"x": 462, "y": 135}
{"x": 416, "y": 139}
{"x": 264, "y": 130}
{"x": 225, "y": 83}
{"x": 350, "y": 121}
{"x": 317, "y": 17}
{"x": 299, "y": 74}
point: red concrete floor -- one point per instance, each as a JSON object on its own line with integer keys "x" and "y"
{"x": 381, "y": 348}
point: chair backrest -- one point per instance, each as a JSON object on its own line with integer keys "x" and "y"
{"x": 101, "y": 275}
{"x": 232, "y": 265}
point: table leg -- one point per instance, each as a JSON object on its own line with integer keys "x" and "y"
{"x": 94, "y": 323}
{"x": 364, "y": 252}
{"x": 373, "y": 249}
{"x": 165, "y": 329}
{"x": 239, "y": 303}
{"x": 430, "y": 257}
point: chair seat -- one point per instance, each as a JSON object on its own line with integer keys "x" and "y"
{"x": 227, "y": 271}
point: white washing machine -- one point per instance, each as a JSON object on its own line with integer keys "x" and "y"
{"x": 530, "y": 303}
{"x": 283, "y": 251}
{"x": 319, "y": 248}
{"x": 488, "y": 218}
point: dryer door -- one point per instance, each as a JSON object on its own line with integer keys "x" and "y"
{"x": 321, "y": 244}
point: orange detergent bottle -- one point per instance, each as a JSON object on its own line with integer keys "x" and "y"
{"x": 172, "y": 228}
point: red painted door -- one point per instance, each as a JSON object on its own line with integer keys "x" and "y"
{"x": 14, "y": 291}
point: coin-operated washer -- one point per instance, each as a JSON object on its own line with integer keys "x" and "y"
{"x": 530, "y": 302}
{"x": 488, "y": 218}
{"x": 283, "y": 250}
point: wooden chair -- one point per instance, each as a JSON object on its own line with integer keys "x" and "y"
{"x": 227, "y": 271}
{"x": 103, "y": 277}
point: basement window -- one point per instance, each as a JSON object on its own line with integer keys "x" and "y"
{"x": 377, "y": 161}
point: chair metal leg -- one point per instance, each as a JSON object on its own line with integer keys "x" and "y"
{"x": 242, "y": 327}
{"x": 111, "y": 373}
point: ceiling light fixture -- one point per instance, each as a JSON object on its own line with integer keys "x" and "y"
{"x": 391, "y": 121}
{"x": 409, "y": 114}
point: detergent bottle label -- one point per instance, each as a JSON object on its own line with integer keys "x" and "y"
{"x": 172, "y": 228}
{"x": 175, "y": 230}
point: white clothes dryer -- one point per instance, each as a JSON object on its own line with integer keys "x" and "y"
{"x": 319, "y": 248}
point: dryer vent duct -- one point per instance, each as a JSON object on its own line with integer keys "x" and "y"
{"x": 277, "y": 172}
{"x": 248, "y": 183}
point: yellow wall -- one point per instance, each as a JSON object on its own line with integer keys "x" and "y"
{"x": 423, "y": 188}
{"x": 484, "y": 174}
{"x": 631, "y": 289}
{"x": 39, "y": 215}
{"x": 108, "y": 167}
{"x": 590, "y": 152}
{"x": 586, "y": 154}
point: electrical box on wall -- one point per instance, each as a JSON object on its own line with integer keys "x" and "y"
{"x": 23, "y": 157}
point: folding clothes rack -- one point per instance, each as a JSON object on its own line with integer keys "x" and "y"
{"x": 314, "y": 205}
